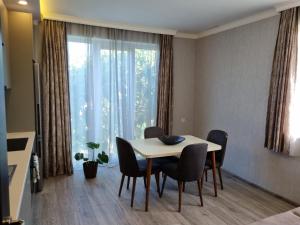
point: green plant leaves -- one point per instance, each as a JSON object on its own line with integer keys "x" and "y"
{"x": 102, "y": 158}
{"x": 93, "y": 145}
{"x": 78, "y": 156}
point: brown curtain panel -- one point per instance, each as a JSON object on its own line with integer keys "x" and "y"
{"x": 283, "y": 77}
{"x": 165, "y": 84}
{"x": 55, "y": 96}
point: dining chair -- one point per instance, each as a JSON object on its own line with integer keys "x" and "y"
{"x": 131, "y": 167}
{"x": 157, "y": 132}
{"x": 218, "y": 137}
{"x": 153, "y": 132}
{"x": 189, "y": 167}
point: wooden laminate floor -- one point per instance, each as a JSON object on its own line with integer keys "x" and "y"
{"x": 76, "y": 201}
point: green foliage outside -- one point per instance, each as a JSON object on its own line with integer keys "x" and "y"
{"x": 144, "y": 99}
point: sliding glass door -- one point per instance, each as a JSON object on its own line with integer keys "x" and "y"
{"x": 113, "y": 90}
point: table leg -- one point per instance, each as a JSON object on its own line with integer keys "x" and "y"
{"x": 213, "y": 159}
{"x": 148, "y": 181}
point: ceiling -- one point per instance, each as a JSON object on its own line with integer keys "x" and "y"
{"x": 32, "y": 7}
{"x": 189, "y": 16}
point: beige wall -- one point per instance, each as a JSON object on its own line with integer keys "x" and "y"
{"x": 5, "y": 39}
{"x": 20, "y": 98}
{"x": 184, "y": 76}
{"x": 232, "y": 79}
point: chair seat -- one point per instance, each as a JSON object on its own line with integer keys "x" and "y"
{"x": 170, "y": 169}
{"x": 165, "y": 160}
{"x": 188, "y": 168}
{"x": 143, "y": 167}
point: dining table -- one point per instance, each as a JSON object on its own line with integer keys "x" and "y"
{"x": 153, "y": 148}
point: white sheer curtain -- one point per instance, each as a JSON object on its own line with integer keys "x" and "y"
{"x": 295, "y": 106}
{"x": 113, "y": 84}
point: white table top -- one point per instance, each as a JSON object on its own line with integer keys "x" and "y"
{"x": 154, "y": 148}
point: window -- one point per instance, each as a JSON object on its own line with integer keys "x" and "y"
{"x": 113, "y": 90}
{"x": 294, "y": 109}
{"x": 295, "y": 106}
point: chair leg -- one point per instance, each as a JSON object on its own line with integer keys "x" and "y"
{"x": 157, "y": 182}
{"x": 121, "y": 184}
{"x": 128, "y": 182}
{"x": 220, "y": 176}
{"x": 183, "y": 186}
{"x": 200, "y": 191}
{"x": 133, "y": 191}
{"x": 205, "y": 172}
{"x": 163, "y": 186}
{"x": 180, "y": 193}
{"x": 202, "y": 182}
{"x": 145, "y": 184}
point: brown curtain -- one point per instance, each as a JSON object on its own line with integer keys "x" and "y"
{"x": 55, "y": 96}
{"x": 283, "y": 77}
{"x": 165, "y": 84}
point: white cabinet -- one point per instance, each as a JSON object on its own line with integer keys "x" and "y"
{"x": 26, "y": 209}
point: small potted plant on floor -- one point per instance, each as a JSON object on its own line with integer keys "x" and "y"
{"x": 90, "y": 167}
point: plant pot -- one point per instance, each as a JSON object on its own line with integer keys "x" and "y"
{"x": 90, "y": 169}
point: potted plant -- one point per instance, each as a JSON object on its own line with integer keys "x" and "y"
{"x": 90, "y": 167}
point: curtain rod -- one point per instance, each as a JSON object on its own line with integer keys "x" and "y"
{"x": 287, "y": 5}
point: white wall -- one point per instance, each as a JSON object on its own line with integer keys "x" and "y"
{"x": 232, "y": 85}
{"x": 184, "y": 76}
